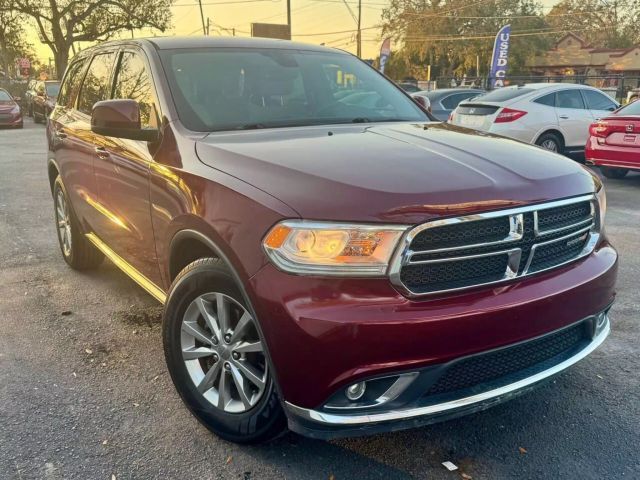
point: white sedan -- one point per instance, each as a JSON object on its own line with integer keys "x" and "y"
{"x": 555, "y": 116}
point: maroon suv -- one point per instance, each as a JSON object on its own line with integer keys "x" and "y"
{"x": 328, "y": 255}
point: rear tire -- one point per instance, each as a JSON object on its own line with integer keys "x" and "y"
{"x": 212, "y": 358}
{"x": 551, "y": 141}
{"x": 614, "y": 173}
{"x": 77, "y": 251}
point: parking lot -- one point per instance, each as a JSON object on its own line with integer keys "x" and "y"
{"x": 84, "y": 392}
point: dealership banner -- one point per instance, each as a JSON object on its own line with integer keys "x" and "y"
{"x": 385, "y": 51}
{"x": 500, "y": 57}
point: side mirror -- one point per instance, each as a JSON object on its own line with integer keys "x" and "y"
{"x": 120, "y": 119}
{"x": 423, "y": 102}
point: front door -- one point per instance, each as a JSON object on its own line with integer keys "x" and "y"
{"x": 122, "y": 174}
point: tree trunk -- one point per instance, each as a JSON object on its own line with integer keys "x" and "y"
{"x": 61, "y": 57}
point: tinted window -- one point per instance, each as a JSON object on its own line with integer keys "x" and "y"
{"x": 452, "y": 101}
{"x": 548, "y": 100}
{"x": 4, "y": 96}
{"x": 133, "y": 82}
{"x": 569, "y": 99}
{"x": 598, "y": 101}
{"x": 72, "y": 80}
{"x": 227, "y": 89}
{"x": 630, "y": 109}
{"x": 504, "y": 94}
{"x": 96, "y": 86}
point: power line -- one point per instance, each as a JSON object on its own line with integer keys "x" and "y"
{"x": 229, "y": 2}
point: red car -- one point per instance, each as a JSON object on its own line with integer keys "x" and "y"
{"x": 614, "y": 142}
{"x": 10, "y": 112}
{"x": 329, "y": 256}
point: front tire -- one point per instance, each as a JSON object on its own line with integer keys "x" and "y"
{"x": 216, "y": 356}
{"x": 550, "y": 141}
{"x": 614, "y": 173}
{"x": 76, "y": 250}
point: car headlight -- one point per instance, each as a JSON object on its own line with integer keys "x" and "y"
{"x": 602, "y": 205}
{"x": 325, "y": 248}
{"x": 15, "y": 109}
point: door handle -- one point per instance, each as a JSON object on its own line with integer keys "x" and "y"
{"x": 102, "y": 152}
{"x": 564, "y": 117}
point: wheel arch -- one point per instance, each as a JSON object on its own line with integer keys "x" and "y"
{"x": 52, "y": 171}
{"x": 189, "y": 235}
{"x": 555, "y": 132}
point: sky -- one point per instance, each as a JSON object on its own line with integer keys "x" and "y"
{"x": 312, "y": 21}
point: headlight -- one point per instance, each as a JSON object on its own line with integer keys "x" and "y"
{"x": 324, "y": 248}
{"x": 15, "y": 109}
{"x": 602, "y": 204}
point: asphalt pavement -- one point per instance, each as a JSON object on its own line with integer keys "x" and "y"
{"x": 85, "y": 394}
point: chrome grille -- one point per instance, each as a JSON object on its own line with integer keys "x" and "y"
{"x": 483, "y": 249}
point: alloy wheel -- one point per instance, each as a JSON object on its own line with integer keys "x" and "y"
{"x": 550, "y": 145}
{"x": 64, "y": 223}
{"x": 223, "y": 353}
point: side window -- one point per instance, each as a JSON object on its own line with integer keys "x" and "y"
{"x": 549, "y": 100}
{"x": 96, "y": 85}
{"x": 71, "y": 85}
{"x": 569, "y": 99}
{"x": 598, "y": 101}
{"x": 133, "y": 82}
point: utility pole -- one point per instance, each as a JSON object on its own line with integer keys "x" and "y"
{"x": 204, "y": 29}
{"x": 359, "y": 29}
{"x": 208, "y": 26}
{"x": 288, "y": 17}
{"x": 234, "y": 31}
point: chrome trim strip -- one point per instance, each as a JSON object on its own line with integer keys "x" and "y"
{"x": 516, "y": 231}
{"x": 402, "y": 255}
{"x": 364, "y": 419}
{"x": 556, "y": 240}
{"x": 539, "y": 233}
{"x": 151, "y": 288}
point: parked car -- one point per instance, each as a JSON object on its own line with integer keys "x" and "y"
{"x": 614, "y": 142}
{"x": 554, "y": 116}
{"x": 10, "y": 112}
{"x": 409, "y": 87}
{"x": 336, "y": 268}
{"x": 45, "y": 100}
{"x": 633, "y": 95}
{"x": 443, "y": 101}
{"x": 27, "y": 101}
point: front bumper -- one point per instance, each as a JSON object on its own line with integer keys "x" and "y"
{"x": 13, "y": 120}
{"x": 426, "y": 410}
{"x": 325, "y": 334}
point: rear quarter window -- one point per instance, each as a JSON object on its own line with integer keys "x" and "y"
{"x": 549, "y": 100}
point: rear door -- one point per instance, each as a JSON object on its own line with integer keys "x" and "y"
{"x": 122, "y": 173}
{"x": 573, "y": 117}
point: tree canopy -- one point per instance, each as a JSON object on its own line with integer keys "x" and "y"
{"x": 61, "y": 23}
{"x": 13, "y": 43}
{"x": 451, "y": 35}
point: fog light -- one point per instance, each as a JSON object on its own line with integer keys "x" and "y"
{"x": 356, "y": 391}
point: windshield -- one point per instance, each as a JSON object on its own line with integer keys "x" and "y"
{"x": 52, "y": 89}
{"x": 4, "y": 96}
{"x": 630, "y": 109}
{"x": 230, "y": 89}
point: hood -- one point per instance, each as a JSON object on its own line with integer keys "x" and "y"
{"x": 396, "y": 173}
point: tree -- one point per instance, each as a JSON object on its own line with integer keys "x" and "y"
{"x": 608, "y": 24}
{"x": 12, "y": 38}
{"x": 452, "y": 36}
{"x": 61, "y": 23}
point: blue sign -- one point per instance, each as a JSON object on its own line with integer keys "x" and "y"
{"x": 500, "y": 57}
